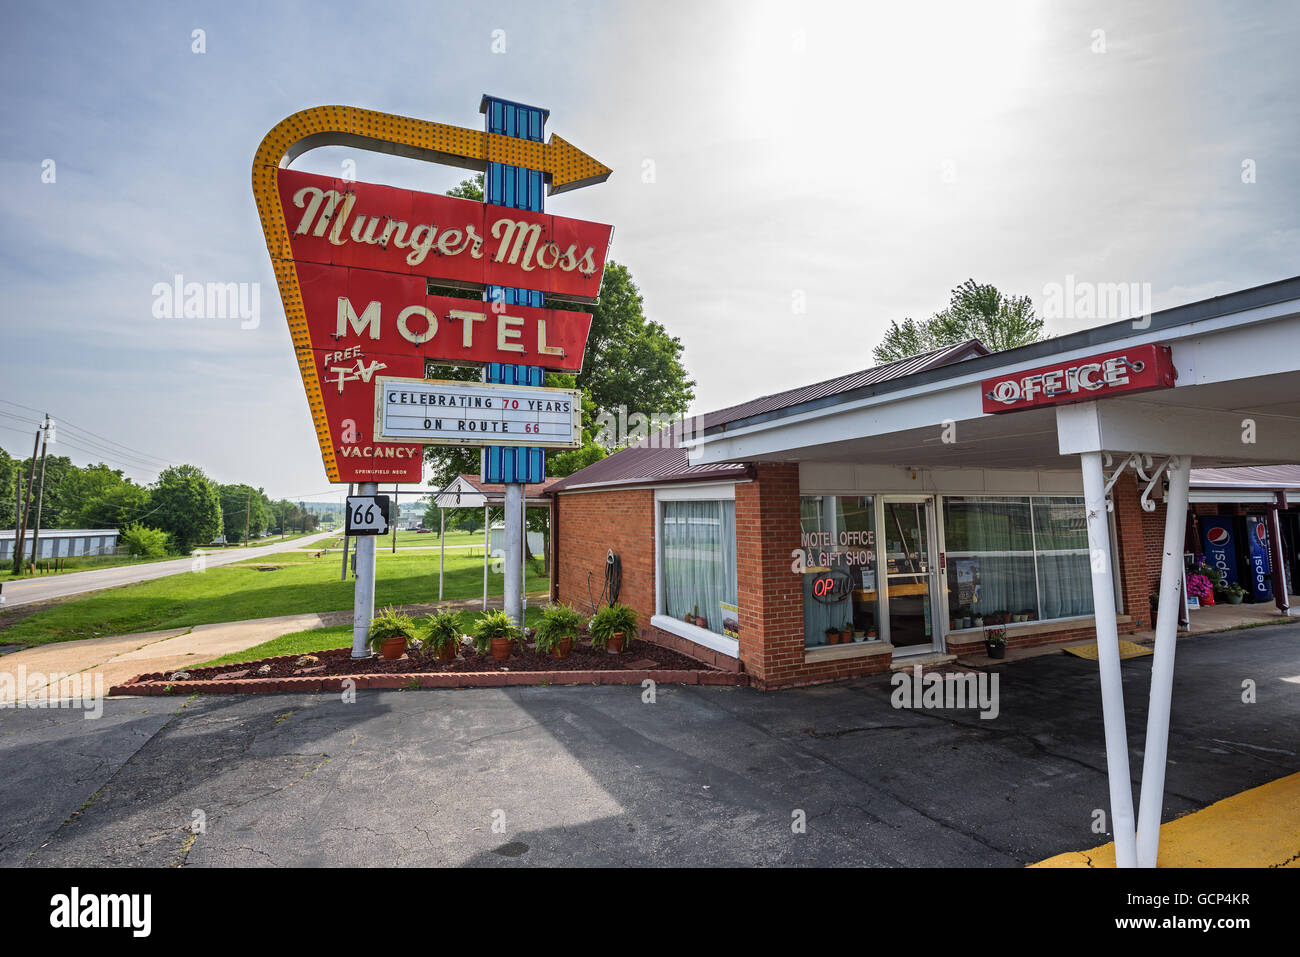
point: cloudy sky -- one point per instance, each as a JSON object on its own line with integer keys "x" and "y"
{"x": 788, "y": 178}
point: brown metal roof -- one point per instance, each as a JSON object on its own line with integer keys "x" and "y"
{"x": 658, "y": 458}
{"x": 496, "y": 492}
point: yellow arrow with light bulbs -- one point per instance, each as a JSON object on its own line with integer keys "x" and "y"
{"x": 564, "y": 165}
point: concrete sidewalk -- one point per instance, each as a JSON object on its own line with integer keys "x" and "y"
{"x": 120, "y": 657}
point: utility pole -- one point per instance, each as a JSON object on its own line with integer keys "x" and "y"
{"x": 343, "y": 575}
{"x": 18, "y": 513}
{"x": 248, "y": 513}
{"x": 20, "y": 543}
{"x": 397, "y": 513}
{"x": 40, "y": 489}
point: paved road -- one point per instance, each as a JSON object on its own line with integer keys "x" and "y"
{"x": 594, "y": 776}
{"x": 74, "y": 583}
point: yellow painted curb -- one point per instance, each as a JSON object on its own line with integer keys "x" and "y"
{"x": 1256, "y": 828}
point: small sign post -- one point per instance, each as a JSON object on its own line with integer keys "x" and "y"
{"x": 367, "y": 514}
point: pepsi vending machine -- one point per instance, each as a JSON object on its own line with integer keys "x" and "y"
{"x": 1220, "y": 552}
{"x": 1258, "y": 563}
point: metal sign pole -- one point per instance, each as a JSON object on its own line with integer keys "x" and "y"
{"x": 514, "y": 554}
{"x": 487, "y": 546}
{"x": 442, "y": 546}
{"x": 363, "y": 602}
{"x": 343, "y": 572}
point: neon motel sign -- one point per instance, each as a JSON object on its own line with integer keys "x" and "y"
{"x": 1139, "y": 369}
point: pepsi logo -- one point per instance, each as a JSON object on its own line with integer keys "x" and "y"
{"x": 1217, "y": 536}
{"x": 1261, "y": 532}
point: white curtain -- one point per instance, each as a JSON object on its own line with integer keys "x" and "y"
{"x": 699, "y": 559}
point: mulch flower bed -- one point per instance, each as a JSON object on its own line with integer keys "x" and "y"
{"x": 330, "y": 669}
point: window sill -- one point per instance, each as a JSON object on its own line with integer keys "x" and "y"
{"x": 856, "y": 649}
{"x": 701, "y": 636}
{"x": 1039, "y": 626}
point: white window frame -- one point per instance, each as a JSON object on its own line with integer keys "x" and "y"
{"x": 714, "y": 492}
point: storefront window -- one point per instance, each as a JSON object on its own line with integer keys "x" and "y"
{"x": 839, "y": 580}
{"x": 1064, "y": 571}
{"x": 699, "y": 564}
{"x": 1015, "y": 559}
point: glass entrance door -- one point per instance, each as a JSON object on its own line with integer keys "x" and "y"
{"x": 910, "y": 574}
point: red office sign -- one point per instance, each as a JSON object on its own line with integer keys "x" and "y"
{"x": 1138, "y": 369}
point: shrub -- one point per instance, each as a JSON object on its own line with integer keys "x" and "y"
{"x": 558, "y": 622}
{"x": 493, "y": 624}
{"x": 441, "y": 629}
{"x": 144, "y": 542}
{"x": 389, "y": 623}
{"x": 610, "y": 620}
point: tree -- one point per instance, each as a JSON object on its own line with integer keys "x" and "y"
{"x": 187, "y": 506}
{"x": 975, "y": 311}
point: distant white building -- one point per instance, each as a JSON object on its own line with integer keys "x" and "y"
{"x": 62, "y": 542}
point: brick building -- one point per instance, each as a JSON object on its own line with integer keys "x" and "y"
{"x": 830, "y": 531}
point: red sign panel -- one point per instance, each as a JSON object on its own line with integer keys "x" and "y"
{"x": 365, "y": 323}
{"x": 1139, "y": 369}
{"x": 460, "y": 242}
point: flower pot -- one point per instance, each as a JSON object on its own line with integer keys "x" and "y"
{"x": 562, "y": 647}
{"x": 1234, "y": 599}
{"x": 447, "y": 653}
{"x": 701, "y": 622}
{"x": 616, "y": 642}
{"x": 501, "y": 648}
{"x": 871, "y": 635}
{"x": 996, "y": 651}
{"x": 393, "y": 648}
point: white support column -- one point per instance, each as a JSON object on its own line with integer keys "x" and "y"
{"x": 1162, "y": 665}
{"x": 1112, "y": 687}
{"x": 514, "y": 556}
{"x": 442, "y": 547}
{"x": 487, "y": 546}
{"x": 363, "y": 601}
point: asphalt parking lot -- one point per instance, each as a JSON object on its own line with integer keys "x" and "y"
{"x": 596, "y": 776}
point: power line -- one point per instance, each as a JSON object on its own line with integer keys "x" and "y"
{"x": 67, "y": 423}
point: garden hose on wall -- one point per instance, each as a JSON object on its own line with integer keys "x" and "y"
{"x": 613, "y": 581}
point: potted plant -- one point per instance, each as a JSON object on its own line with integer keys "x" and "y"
{"x": 871, "y": 634}
{"x": 832, "y": 635}
{"x": 1233, "y": 594}
{"x": 442, "y": 636}
{"x": 559, "y": 628}
{"x": 1198, "y": 586}
{"x": 846, "y": 633}
{"x": 612, "y": 627}
{"x": 995, "y": 641}
{"x": 390, "y": 630}
{"x": 496, "y": 632}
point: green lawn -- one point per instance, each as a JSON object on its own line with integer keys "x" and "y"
{"x": 300, "y": 583}
{"x": 429, "y": 539}
{"x": 340, "y": 636}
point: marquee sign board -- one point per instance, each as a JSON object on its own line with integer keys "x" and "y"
{"x": 466, "y": 414}
{"x": 354, "y": 262}
{"x": 1138, "y": 369}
